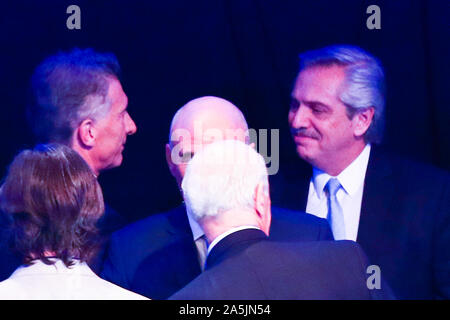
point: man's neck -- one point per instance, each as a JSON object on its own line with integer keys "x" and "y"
{"x": 223, "y": 222}
{"x": 85, "y": 155}
{"x": 337, "y": 163}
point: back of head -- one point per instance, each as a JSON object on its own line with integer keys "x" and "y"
{"x": 54, "y": 202}
{"x": 66, "y": 88}
{"x": 364, "y": 85}
{"x": 223, "y": 176}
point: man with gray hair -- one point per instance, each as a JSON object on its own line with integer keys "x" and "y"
{"x": 77, "y": 100}
{"x": 398, "y": 210}
{"x": 226, "y": 188}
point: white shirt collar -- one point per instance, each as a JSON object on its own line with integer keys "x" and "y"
{"x": 351, "y": 178}
{"x": 197, "y": 231}
{"x": 223, "y": 235}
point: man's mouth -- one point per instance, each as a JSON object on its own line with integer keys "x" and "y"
{"x": 301, "y": 135}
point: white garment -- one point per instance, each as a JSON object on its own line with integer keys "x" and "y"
{"x": 349, "y": 195}
{"x": 57, "y": 282}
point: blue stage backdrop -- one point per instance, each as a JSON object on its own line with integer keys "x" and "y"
{"x": 243, "y": 50}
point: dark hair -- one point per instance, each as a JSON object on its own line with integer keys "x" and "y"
{"x": 364, "y": 85}
{"x": 53, "y": 201}
{"x": 60, "y": 87}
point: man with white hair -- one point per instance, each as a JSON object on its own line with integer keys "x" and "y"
{"x": 226, "y": 189}
{"x": 160, "y": 254}
{"x": 396, "y": 209}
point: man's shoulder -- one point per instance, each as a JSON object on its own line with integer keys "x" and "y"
{"x": 150, "y": 227}
{"x": 405, "y": 166}
{"x": 281, "y": 264}
{"x": 345, "y": 257}
{"x": 292, "y": 216}
{"x": 291, "y": 225}
{"x": 321, "y": 249}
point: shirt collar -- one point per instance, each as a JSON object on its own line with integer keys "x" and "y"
{"x": 351, "y": 178}
{"x": 223, "y": 235}
{"x": 197, "y": 231}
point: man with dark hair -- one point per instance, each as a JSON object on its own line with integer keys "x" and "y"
{"x": 162, "y": 253}
{"x": 77, "y": 100}
{"x": 396, "y": 209}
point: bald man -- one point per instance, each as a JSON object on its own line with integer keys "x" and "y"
{"x": 162, "y": 253}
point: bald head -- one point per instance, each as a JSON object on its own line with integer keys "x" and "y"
{"x": 209, "y": 112}
{"x": 202, "y": 121}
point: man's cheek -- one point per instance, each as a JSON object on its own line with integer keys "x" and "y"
{"x": 182, "y": 169}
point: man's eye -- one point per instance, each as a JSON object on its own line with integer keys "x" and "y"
{"x": 318, "y": 110}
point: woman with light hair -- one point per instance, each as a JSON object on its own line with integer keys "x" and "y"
{"x": 53, "y": 202}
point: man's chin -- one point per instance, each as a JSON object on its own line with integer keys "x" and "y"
{"x": 114, "y": 164}
{"x": 305, "y": 153}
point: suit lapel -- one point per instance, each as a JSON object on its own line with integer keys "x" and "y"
{"x": 376, "y": 208}
{"x": 296, "y": 186}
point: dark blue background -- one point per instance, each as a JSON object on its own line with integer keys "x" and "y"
{"x": 243, "y": 50}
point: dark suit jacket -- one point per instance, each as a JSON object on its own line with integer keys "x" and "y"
{"x": 404, "y": 223}
{"x": 244, "y": 265}
{"x": 157, "y": 256}
{"x": 9, "y": 261}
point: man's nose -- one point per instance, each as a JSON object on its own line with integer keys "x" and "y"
{"x": 301, "y": 117}
{"x": 131, "y": 126}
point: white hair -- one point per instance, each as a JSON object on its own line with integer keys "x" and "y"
{"x": 223, "y": 176}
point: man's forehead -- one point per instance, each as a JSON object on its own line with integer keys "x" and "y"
{"x": 319, "y": 81}
{"x": 116, "y": 93}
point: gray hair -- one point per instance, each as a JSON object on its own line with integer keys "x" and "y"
{"x": 223, "y": 176}
{"x": 364, "y": 85}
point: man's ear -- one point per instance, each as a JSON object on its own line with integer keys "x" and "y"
{"x": 362, "y": 121}
{"x": 169, "y": 161}
{"x": 172, "y": 166}
{"x": 87, "y": 133}
{"x": 263, "y": 207}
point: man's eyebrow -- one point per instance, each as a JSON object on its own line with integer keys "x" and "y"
{"x": 309, "y": 103}
{"x": 316, "y": 103}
